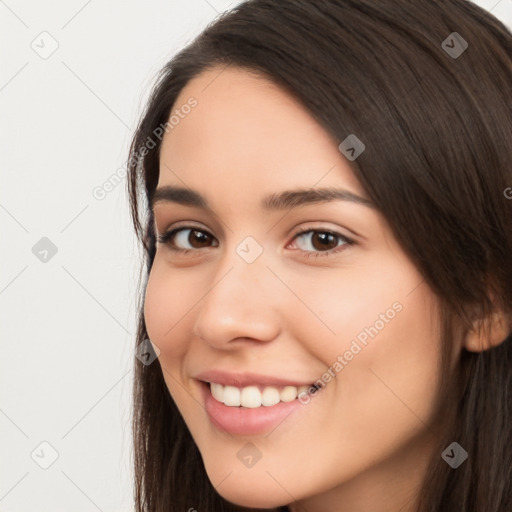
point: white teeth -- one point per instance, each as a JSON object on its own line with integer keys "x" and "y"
{"x": 231, "y": 396}
{"x": 270, "y": 396}
{"x": 288, "y": 394}
{"x": 252, "y": 397}
{"x": 217, "y": 391}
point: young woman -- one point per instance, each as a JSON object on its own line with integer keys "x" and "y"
{"x": 323, "y": 193}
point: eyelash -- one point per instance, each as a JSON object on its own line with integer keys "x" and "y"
{"x": 166, "y": 238}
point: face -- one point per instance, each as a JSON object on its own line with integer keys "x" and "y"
{"x": 263, "y": 286}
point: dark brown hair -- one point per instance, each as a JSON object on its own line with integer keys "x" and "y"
{"x": 437, "y": 127}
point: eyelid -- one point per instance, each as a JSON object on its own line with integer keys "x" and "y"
{"x": 181, "y": 224}
{"x": 322, "y": 230}
{"x": 169, "y": 234}
{"x": 347, "y": 241}
{"x": 294, "y": 233}
{"x": 164, "y": 237}
{"x": 306, "y": 227}
{"x": 167, "y": 217}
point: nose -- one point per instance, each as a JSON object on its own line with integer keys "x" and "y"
{"x": 239, "y": 305}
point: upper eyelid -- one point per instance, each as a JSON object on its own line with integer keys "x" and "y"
{"x": 294, "y": 234}
{"x": 190, "y": 224}
{"x": 355, "y": 235}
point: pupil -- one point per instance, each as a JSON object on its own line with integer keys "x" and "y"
{"x": 199, "y": 238}
{"x": 325, "y": 239}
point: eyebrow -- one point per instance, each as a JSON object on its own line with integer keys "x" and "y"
{"x": 273, "y": 202}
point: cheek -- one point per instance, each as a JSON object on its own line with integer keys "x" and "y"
{"x": 167, "y": 301}
{"x": 335, "y": 311}
{"x": 156, "y": 307}
{"x": 407, "y": 361}
{"x": 393, "y": 380}
{"x": 378, "y": 336}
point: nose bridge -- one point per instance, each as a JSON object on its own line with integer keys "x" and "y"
{"x": 238, "y": 304}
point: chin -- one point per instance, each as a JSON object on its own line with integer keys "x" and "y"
{"x": 251, "y": 490}
{"x": 243, "y": 498}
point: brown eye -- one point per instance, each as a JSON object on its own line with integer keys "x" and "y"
{"x": 323, "y": 241}
{"x": 183, "y": 239}
{"x": 198, "y": 239}
{"x": 312, "y": 241}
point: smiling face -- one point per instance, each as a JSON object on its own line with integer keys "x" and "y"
{"x": 273, "y": 288}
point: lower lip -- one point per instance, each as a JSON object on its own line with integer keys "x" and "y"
{"x": 244, "y": 420}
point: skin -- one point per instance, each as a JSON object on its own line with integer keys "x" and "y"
{"x": 363, "y": 442}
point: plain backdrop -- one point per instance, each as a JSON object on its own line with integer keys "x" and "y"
{"x": 74, "y": 77}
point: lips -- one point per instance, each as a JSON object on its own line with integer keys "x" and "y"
{"x": 249, "y": 403}
{"x": 242, "y": 380}
{"x": 243, "y": 420}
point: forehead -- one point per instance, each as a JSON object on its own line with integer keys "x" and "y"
{"x": 246, "y": 128}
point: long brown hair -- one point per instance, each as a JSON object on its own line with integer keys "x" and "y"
{"x": 434, "y": 110}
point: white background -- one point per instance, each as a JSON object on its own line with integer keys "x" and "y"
{"x": 68, "y": 323}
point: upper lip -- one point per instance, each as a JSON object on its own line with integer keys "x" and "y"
{"x": 246, "y": 379}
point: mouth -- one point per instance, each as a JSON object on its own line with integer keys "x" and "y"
{"x": 248, "y": 403}
{"x": 253, "y": 409}
{"x": 255, "y": 396}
